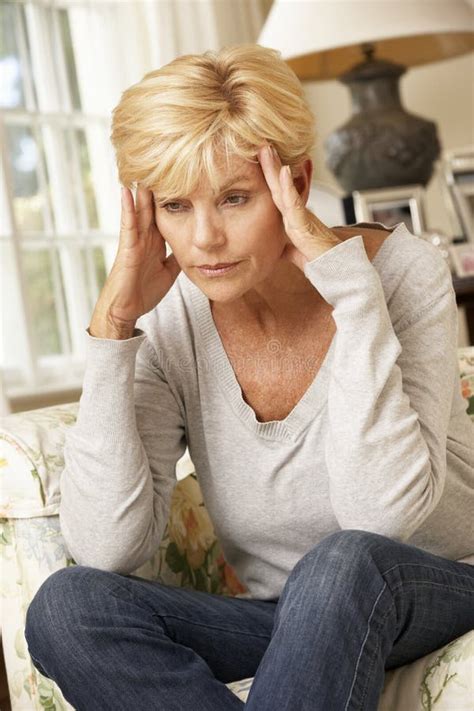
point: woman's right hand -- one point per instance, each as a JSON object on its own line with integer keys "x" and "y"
{"x": 141, "y": 274}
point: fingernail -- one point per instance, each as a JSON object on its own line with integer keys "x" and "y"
{"x": 275, "y": 154}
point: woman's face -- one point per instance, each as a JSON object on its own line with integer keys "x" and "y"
{"x": 239, "y": 224}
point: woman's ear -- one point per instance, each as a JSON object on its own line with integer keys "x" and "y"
{"x": 302, "y": 178}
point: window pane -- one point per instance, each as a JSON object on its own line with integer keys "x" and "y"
{"x": 5, "y": 220}
{"x": 13, "y": 346}
{"x": 40, "y": 285}
{"x": 25, "y": 155}
{"x": 85, "y": 259}
{"x": 61, "y": 176}
{"x": 100, "y": 270}
{"x": 11, "y": 85}
{"x": 93, "y": 264}
{"x": 87, "y": 183}
{"x": 69, "y": 58}
{"x": 44, "y": 68}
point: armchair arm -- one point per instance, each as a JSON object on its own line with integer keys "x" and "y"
{"x": 31, "y": 460}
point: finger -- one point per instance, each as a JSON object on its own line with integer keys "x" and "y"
{"x": 128, "y": 226}
{"x": 298, "y": 219}
{"x": 144, "y": 210}
{"x": 296, "y": 214}
{"x": 156, "y": 230}
{"x": 271, "y": 163}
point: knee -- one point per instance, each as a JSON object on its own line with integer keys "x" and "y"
{"x": 56, "y": 604}
{"x": 341, "y": 557}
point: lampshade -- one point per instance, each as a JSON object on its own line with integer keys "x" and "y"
{"x": 321, "y": 39}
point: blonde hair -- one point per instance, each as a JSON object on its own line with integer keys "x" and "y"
{"x": 171, "y": 127}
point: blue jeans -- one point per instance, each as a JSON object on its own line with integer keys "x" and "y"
{"x": 355, "y": 605}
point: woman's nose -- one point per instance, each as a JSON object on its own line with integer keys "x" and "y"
{"x": 208, "y": 232}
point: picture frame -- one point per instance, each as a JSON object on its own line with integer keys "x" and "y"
{"x": 392, "y": 205}
{"x": 462, "y": 259}
{"x": 457, "y": 173}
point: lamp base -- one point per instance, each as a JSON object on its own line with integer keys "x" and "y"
{"x": 381, "y": 145}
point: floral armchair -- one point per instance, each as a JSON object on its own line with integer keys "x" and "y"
{"x": 32, "y": 548}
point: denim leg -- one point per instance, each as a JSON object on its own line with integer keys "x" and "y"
{"x": 356, "y": 605}
{"x": 112, "y": 641}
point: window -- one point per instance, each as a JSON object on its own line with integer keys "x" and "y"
{"x": 58, "y": 233}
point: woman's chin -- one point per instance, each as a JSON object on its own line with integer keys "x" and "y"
{"x": 221, "y": 294}
{"x": 221, "y": 290}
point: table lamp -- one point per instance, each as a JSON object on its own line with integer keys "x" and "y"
{"x": 368, "y": 45}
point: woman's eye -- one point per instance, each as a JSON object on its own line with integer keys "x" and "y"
{"x": 169, "y": 205}
{"x": 175, "y": 206}
{"x": 239, "y": 197}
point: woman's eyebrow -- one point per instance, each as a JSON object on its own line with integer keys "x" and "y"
{"x": 239, "y": 178}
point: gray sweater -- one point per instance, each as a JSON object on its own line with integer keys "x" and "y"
{"x": 380, "y": 441}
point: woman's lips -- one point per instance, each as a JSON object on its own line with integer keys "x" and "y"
{"x": 219, "y": 271}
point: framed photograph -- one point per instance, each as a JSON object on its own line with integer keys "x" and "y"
{"x": 392, "y": 205}
{"x": 462, "y": 259}
{"x": 457, "y": 169}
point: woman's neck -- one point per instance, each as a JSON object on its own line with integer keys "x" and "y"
{"x": 275, "y": 304}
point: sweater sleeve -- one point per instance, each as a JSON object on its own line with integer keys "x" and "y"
{"x": 389, "y": 394}
{"x": 120, "y": 456}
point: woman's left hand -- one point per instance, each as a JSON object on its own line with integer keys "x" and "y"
{"x": 309, "y": 236}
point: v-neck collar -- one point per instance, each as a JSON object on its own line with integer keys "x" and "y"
{"x": 311, "y": 402}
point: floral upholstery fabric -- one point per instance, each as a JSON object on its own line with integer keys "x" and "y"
{"x": 32, "y": 548}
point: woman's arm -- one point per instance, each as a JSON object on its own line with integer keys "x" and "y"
{"x": 120, "y": 457}
{"x": 389, "y": 396}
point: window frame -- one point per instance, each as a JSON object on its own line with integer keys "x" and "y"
{"x": 51, "y": 129}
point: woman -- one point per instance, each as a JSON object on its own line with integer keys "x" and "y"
{"x": 316, "y": 385}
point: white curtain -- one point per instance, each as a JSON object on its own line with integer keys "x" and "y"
{"x": 116, "y": 42}
{"x": 189, "y": 26}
